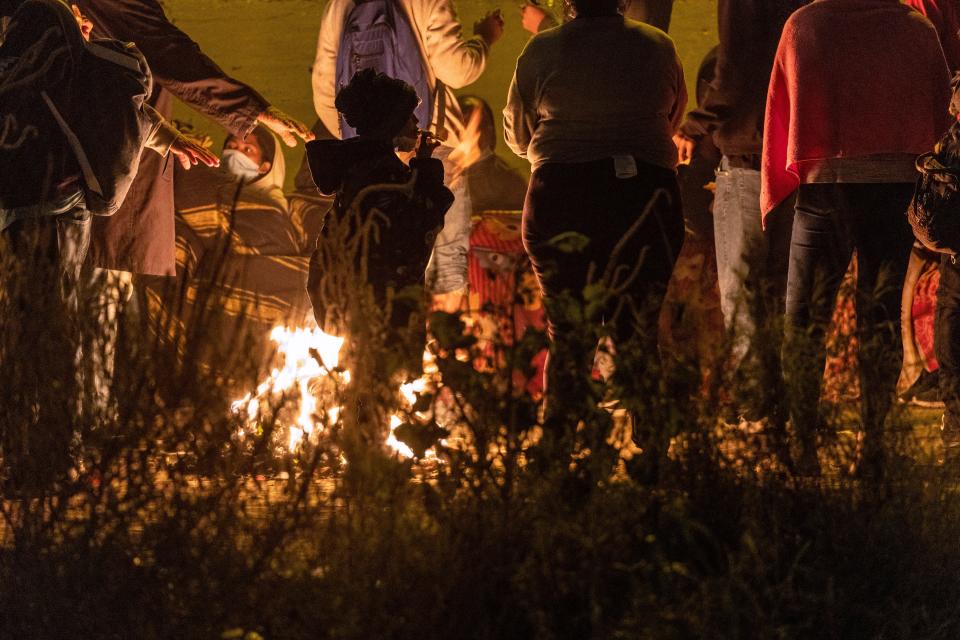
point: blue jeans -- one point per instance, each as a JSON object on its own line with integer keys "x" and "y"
{"x": 447, "y": 269}
{"x": 752, "y": 274}
{"x": 751, "y": 261}
{"x": 832, "y": 221}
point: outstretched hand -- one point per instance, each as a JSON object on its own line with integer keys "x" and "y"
{"x": 287, "y": 127}
{"x": 189, "y": 153}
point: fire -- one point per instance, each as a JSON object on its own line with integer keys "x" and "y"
{"x": 309, "y": 355}
{"x": 468, "y": 151}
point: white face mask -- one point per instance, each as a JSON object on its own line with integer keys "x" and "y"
{"x": 235, "y": 162}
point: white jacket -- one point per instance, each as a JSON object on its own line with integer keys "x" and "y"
{"x": 452, "y": 59}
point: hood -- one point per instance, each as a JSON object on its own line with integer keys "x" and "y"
{"x": 330, "y": 160}
{"x": 272, "y": 181}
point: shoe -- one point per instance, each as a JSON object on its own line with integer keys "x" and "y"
{"x": 925, "y": 392}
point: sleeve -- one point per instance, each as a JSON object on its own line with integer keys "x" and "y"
{"x": 163, "y": 135}
{"x": 178, "y": 64}
{"x": 735, "y": 21}
{"x": 680, "y": 103}
{"x": 456, "y": 61}
{"x": 324, "y": 76}
{"x": 519, "y": 120}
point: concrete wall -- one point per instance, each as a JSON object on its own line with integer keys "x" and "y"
{"x": 270, "y": 44}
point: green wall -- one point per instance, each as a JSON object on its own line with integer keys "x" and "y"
{"x": 270, "y": 44}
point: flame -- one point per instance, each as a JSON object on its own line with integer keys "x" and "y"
{"x": 298, "y": 348}
{"x": 468, "y": 151}
{"x": 309, "y": 354}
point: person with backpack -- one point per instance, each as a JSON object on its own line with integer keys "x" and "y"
{"x": 139, "y": 238}
{"x": 420, "y": 42}
{"x": 859, "y": 88}
{"x": 56, "y": 89}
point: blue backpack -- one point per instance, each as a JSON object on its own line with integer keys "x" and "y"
{"x": 377, "y": 35}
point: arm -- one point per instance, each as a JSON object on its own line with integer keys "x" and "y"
{"x": 680, "y": 103}
{"x": 324, "y": 77}
{"x": 456, "y": 61}
{"x": 735, "y": 22}
{"x": 518, "y": 122}
{"x": 177, "y": 62}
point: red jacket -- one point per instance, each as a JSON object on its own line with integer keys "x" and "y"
{"x": 851, "y": 78}
{"x": 945, "y": 16}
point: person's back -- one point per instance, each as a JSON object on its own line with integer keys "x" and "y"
{"x": 859, "y": 88}
{"x": 629, "y": 104}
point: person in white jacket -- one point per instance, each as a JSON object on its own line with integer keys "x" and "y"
{"x": 454, "y": 61}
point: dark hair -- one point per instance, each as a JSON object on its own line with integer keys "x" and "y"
{"x": 488, "y": 126}
{"x": 375, "y": 104}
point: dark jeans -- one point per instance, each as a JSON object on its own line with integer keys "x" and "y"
{"x": 947, "y": 338}
{"x": 633, "y": 230}
{"x": 51, "y": 250}
{"x": 833, "y": 220}
{"x": 40, "y": 344}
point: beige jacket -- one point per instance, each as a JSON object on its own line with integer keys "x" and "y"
{"x": 452, "y": 59}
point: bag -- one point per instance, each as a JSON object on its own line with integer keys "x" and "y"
{"x": 934, "y": 211}
{"x": 377, "y": 35}
{"x": 67, "y": 90}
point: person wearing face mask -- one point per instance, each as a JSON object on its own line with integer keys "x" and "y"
{"x": 258, "y": 162}
{"x": 405, "y": 204}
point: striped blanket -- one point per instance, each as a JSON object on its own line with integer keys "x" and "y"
{"x": 242, "y": 263}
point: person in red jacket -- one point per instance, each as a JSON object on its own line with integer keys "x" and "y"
{"x": 859, "y": 88}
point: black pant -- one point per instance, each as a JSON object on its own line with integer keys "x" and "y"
{"x": 947, "y": 338}
{"x": 831, "y": 221}
{"x": 633, "y": 230}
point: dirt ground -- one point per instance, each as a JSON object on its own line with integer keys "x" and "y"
{"x": 271, "y": 44}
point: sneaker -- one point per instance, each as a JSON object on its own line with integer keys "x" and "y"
{"x": 925, "y": 392}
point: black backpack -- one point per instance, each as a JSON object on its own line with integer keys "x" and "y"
{"x": 72, "y": 109}
{"x": 934, "y": 211}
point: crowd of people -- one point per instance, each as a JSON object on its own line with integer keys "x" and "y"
{"x": 810, "y": 116}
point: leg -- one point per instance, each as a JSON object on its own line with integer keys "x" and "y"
{"x": 820, "y": 251}
{"x": 561, "y": 274}
{"x": 447, "y": 269}
{"x": 948, "y": 351}
{"x": 740, "y": 242}
{"x": 883, "y": 240}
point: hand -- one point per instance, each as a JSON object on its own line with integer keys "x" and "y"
{"x": 531, "y": 16}
{"x": 288, "y": 128}
{"x": 83, "y": 22}
{"x": 685, "y": 148}
{"x": 426, "y": 144}
{"x": 490, "y": 28}
{"x": 190, "y": 153}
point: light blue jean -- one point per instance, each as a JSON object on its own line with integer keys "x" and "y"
{"x": 751, "y": 262}
{"x": 447, "y": 269}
